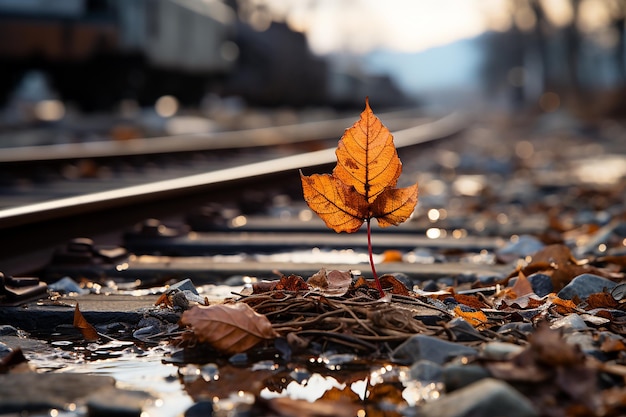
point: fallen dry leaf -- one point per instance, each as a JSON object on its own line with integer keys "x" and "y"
{"x": 361, "y": 186}
{"x": 88, "y": 331}
{"x": 332, "y": 283}
{"x": 229, "y": 328}
{"x": 475, "y": 318}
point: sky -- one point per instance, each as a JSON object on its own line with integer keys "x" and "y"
{"x": 360, "y": 26}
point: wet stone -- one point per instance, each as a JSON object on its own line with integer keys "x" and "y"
{"x": 116, "y": 402}
{"x": 487, "y": 397}
{"x": 584, "y": 285}
{"x": 426, "y": 371}
{"x": 34, "y": 391}
{"x": 458, "y": 376}
{"x": 430, "y": 348}
{"x": 200, "y": 409}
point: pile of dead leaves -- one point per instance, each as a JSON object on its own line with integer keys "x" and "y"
{"x": 332, "y": 307}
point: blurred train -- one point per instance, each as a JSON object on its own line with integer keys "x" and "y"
{"x": 98, "y": 52}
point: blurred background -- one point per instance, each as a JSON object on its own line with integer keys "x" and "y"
{"x": 135, "y": 57}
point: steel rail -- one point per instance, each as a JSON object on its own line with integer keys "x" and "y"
{"x": 47, "y": 210}
{"x": 236, "y": 139}
{"x": 36, "y": 227}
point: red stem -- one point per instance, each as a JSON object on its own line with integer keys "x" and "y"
{"x": 369, "y": 249}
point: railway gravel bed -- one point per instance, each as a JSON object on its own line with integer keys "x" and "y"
{"x": 504, "y": 293}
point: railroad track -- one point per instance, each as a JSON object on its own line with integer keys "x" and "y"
{"x": 30, "y": 232}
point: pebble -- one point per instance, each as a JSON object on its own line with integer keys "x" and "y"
{"x": 185, "y": 285}
{"x": 203, "y": 408}
{"x": 463, "y": 331}
{"x": 486, "y": 397}
{"x": 500, "y": 351}
{"x": 541, "y": 284}
{"x": 587, "y": 343}
{"x": 420, "y": 347}
{"x": 426, "y": 371}
{"x": 570, "y": 323}
{"x": 20, "y": 393}
{"x": 584, "y": 285}
{"x": 7, "y": 330}
{"x": 117, "y": 402}
{"x": 524, "y": 246}
{"x": 67, "y": 285}
{"x": 525, "y": 328}
{"x": 457, "y": 376}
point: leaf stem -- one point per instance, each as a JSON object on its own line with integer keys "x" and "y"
{"x": 369, "y": 250}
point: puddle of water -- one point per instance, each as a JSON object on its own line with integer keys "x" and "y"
{"x": 132, "y": 368}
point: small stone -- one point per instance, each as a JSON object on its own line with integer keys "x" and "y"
{"x": 570, "y": 323}
{"x": 458, "y": 376}
{"x": 7, "y": 330}
{"x": 500, "y": 351}
{"x": 67, "y": 285}
{"x": 202, "y": 408}
{"x": 584, "y": 285}
{"x": 487, "y": 397}
{"x": 185, "y": 285}
{"x": 525, "y": 245}
{"x": 426, "y": 371}
{"x": 34, "y": 391}
{"x": 430, "y": 348}
{"x": 403, "y": 278}
{"x": 430, "y": 285}
{"x": 587, "y": 343}
{"x": 463, "y": 331}
{"x": 525, "y": 328}
{"x": 541, "y": 284}
{"x": 117, "y": 402}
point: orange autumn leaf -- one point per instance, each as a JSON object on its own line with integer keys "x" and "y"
{"x": 361, "y": 186}
{"x": 367, "y": 158}
{"x": 475, "y": 318}
{"x": 88, "y": 331}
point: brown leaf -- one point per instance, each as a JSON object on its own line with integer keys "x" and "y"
{"x": 332, "y": 283}
{"x": 394, "y": 205}
{"x": 229, "y": 328}
{"x": 361, "y": 186}
{"x": 388, "y": 282}
{"x": 293, "y": 283}
{"x": 341, "y": 207}
{"x": 89, "y": 332}
{"x": 522, "y": 286}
